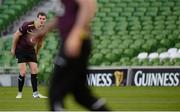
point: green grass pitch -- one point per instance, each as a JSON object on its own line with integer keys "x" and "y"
{"x": 118, "y": 98}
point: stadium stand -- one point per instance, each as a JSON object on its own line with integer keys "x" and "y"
{"x": 12, "y": 10}
{"x": 125, "y": 33}
{"x": 124, "y": 28}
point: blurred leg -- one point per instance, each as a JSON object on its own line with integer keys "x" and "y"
{"x": 84, "y": 96}
{"x": 59, "y": 87}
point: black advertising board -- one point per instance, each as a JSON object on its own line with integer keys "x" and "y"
{"x": 155, "y": 76}
{"x": 107, "y": 77}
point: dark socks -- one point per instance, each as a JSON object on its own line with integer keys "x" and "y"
{"x": 34, "y": 82}
{"x": 20, "y": 83}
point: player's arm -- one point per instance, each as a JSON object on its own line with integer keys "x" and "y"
{"x": 87, "y": 9}
{"x": 22, "y": 30}
{"x": 38, "y": 46}
{"x": 15, "y": 39}
{"x": 48, "y": 27}
{"x": 40, "y": 36}
{"x": 86, "y": 12}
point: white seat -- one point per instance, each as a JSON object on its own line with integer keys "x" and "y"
{"x": 172, "y": 50}
{"x": 174, "y": 55}
{"x": 178, "y": 50}
{"x": 153, "y": 55}
{"x": 142, "y": 56}
{"x": 178, "y": 53}
{"x": 163, "y": 55}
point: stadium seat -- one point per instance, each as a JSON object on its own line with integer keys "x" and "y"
{"x": 125, "y": 61}
{"x": 135, "y": 61}
{"x": 173, "y": 55}
{"x": 153, "y": 56}
{"x": 145, "y": 62}
{"x": 106, "y": 63}
{"x": 11, "y": 10}
{"x": 176, "y": 61}
{"x": 1, "y": 44}
{"x": 155, "y": 62}
{"x": 177, "y": 45}
{"x": 132, "y": 4}
{"x": 167, "y": 62}
{"x": 142, "y": 56}
{"x": 122, "y": 4}
{"x": 9, "y": 2}
{"x": 163, "y": 55}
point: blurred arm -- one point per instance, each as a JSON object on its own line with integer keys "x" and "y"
{"x": 38, "y": 46}
{"x": 50, "y": 25}
{"x": 87, "y": 9}
{"x": 86, "y": 12}
{"x": 40, "y": 35}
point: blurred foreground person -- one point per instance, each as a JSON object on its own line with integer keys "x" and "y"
{"x": 69, "y": 76}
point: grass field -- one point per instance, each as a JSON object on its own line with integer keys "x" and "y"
{"x": 118, "y": 98}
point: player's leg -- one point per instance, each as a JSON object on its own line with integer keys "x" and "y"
{"x": 34, "y": 79}
{"x": 81, "y": 92}
{"x": 59, "y": 88}
{"x": 21, "y": 77}
{"x": 84, "y": 96}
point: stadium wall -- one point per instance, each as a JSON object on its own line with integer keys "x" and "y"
{"x": 117, "y": 76}
{"x": 10, "y": 79}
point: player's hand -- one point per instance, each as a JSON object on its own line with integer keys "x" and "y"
{"x": 73, "y": 45}
{"x": 38, "y": 36}
{"x": 33, "y": 40}
{"x": 12, "y": 51}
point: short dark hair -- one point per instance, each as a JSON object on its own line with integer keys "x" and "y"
{"x": 42, "y": 14}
